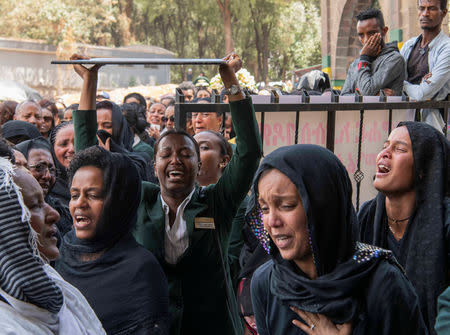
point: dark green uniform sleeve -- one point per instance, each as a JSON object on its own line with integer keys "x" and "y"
{"x": 85, "y": 125}
{"x": 235, "y": 182}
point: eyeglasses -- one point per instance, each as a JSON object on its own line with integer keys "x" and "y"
{"x": 165, "y": 119}
{"x": 42, "y": 168}
{"x": 204, "y": 115}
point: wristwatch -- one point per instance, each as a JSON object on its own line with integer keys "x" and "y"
{"x": 233, "y": 90}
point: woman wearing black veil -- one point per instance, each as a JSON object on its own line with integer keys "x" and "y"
{"x": 301, "y": 211}
{"x": 122, "y": 281}
{"x": 408, "y": 216}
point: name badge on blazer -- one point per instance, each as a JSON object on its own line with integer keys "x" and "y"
{"x": 204, "y": 223}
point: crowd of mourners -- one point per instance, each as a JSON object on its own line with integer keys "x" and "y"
{"x": 114, "y": 221}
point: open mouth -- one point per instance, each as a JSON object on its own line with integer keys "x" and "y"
{"x": 282, "y": 241}
{"x": 175, "y": 175}
{"x": 81, "y": 221}
{"x": 383, "y": 169}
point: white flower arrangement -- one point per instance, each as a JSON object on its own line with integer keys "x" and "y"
{"x": 246, "y": 80}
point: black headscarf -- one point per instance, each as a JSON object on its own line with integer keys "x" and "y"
{"x": 121, "y": 133}
{"x": 122, "y": 140}
{"x": 116, "y": 283}
{"x": 423, "y": 251}
{"x": 122, "y": 192}
{"x": 65, "y": 222}
{"x": 343, "y": 266}
{"x": 61, "y": 188}
{"x": 19, "y": 129}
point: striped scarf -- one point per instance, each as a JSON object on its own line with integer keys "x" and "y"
{"x": 21, "y": 273}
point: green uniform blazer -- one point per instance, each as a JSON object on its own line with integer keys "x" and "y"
{"x": 197, "y": 290}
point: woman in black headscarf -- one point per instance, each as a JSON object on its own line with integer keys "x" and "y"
{"x": 301, "y": 210}
{"x": 62, "y": 144}
{"x": 122, "y": 281}
{"x": 112, "y": 125}
{"x": 408, "y": 216}
{"x": 41, "y": 164}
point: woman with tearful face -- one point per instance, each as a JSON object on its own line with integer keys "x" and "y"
{"x": 301, "y": 210}
{"x": 63, "y": 149}
{"x": 410, "y": 214}
{"x": 121, "y": 280}
{"x": 41, "y": 165}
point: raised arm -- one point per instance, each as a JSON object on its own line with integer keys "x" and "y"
{"x": 235, "y": 182}
{"x": 85, "y": 118}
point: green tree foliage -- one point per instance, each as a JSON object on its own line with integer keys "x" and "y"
{"x": 297, "y": 39}
{"x": 273, "y": 36}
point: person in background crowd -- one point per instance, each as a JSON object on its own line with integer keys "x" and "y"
{"x": 301, "y": 210}
{"x": 50, "y": 117}
{"x": 68, "y": 112}
{"x": 228, "y": 130}
{"x": 215, "y": 154}
{"x": 51, "y": 106}
{"x": 428, "y": 60}
{"x": 111, "y": 120}
{"x": 63, "y": 149}
{"x": 410, "y": 214}
{"x": 7, "y": 110}
{"x": 167, "y": 215}
{"x": 206, "y": 120}
{"x": 137, "y": 126}
{"x": 18, "y": 131}
{"x": 122, "y": 281}
{"x": 137, "y": 99}
{"x": 155, "y": 119}
{"x": 167, "y": 100}
{"x": 29, "y": 111}
{"x": 114, "y": 132}
{"x": 380, "y": 66}
{"x": 201, "y": 81}
{"x": 223, "y": 96}
{"x": 141, "y": 101}
{"x": 189, "y": 125}
{"x": 169, "y": 117}
{"x": 188, "y": 90}
{"x": 102, "y": 96}
{"x": 202, "y": 92}
{"x": 34, "y": 299}
{"x": 155, "y": 114}
{"x": 40, "y": 163}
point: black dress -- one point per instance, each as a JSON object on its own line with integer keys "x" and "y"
{"x": 424, "y": 250}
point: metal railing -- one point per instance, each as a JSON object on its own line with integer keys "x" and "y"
{"x": 284, "y": 104}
